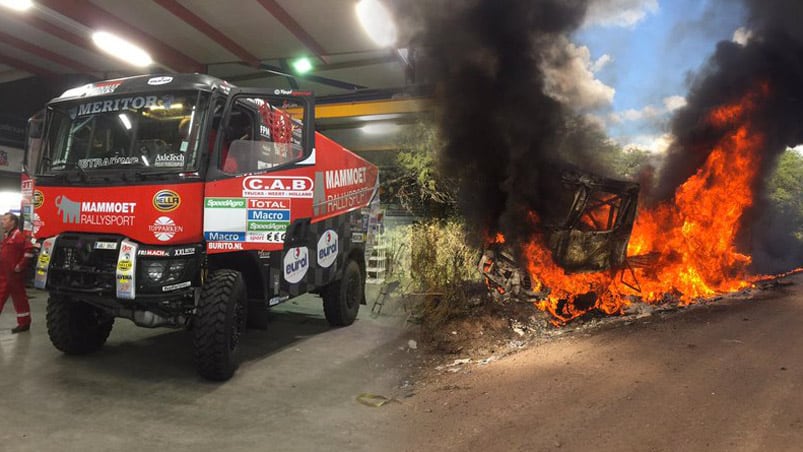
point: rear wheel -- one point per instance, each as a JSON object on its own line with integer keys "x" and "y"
{"x": 75, "y": 327}
{"x": 220, "y": 321}
{"x": 341, "y": 299}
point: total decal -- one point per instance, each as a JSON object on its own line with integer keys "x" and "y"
{"x": 296, "y": 264}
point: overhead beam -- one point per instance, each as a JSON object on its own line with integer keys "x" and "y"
{"x": 44, "y": 53}
{"x": 204, "y": 27}
{"x": 86, "y": 13}
{"x": 23, "y": 66}
{"x": 372, "y": 108}
{"x": 294, "y": 27}
{"x": 323, "y": 68}
{"x": 313, "y": 78}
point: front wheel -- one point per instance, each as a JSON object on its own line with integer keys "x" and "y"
{"x": 220, "y": 320}
{"x": 75, "y": 327}
{"x": 341, "y": 299}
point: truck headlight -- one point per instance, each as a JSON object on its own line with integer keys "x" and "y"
{"x": 155, "y": 270}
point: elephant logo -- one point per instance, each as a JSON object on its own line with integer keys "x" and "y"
{"x": 69, "y": 210}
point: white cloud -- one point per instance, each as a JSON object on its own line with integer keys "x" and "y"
{"x": 742, "y": 35}
{"x": 672, "y": 103}
{"x": 601, "y": 62}
{"x": 798, "y": 149}
{"x": 619, "y": 13}
{"x": 570, "y": 78}
{"x": 656, "y": 144}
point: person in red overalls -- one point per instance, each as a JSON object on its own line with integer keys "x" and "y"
{"x": 15, "y": 254}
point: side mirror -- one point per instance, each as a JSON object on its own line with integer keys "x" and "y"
{"x": 35, "y": 128}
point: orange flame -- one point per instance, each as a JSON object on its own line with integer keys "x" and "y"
{"x": 693, "y": 236}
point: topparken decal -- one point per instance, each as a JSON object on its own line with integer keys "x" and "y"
{"x": 296, "y": 263}
{"x": 327, "y": 248}
{"x": 164, "y": 228}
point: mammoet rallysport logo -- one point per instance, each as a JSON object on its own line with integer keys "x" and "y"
{"x": 103, "y": 213}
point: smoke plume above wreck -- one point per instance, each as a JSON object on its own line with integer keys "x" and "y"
{"x": 501, "y": 129}
{"x": 771, "y": 57}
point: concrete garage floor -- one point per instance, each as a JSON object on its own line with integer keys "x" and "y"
{"x": 295, "y": 390}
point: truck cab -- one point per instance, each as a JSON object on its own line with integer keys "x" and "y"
{"x": 184, "y": 201}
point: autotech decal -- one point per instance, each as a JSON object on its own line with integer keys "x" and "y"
{"x": 166, "y": 200}
{"x": 95, "y": 213}
{"x": 296, "y": 263}
{"x": 277, "y": 187}
{"x": 327, "y": 248}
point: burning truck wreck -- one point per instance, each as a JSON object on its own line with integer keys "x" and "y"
{"x": 589, "y": 233}
{"x": 704, "y": 224}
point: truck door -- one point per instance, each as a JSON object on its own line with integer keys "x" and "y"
{"x": 260, "y": 170}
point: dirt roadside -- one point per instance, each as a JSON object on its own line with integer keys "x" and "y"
{"x": 721, "y": 375}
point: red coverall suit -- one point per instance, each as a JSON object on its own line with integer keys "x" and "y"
{"x": 16, "y": 252}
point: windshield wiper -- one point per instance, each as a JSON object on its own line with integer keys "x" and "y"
{"x": 82, "y": 174}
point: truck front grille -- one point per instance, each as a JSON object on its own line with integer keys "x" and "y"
{"x": 77, "y": 264}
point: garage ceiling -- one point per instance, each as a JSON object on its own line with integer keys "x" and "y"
{"x": 247, "y": 42}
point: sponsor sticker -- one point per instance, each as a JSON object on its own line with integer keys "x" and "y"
{"x": 105, "y": 245}
{"x": 183, "y": 251}
{"x": 277, "y": 187}
{"x": 153, "y": 252}
{"x": 224, "y": 203}
{"x": 296, "y": 263}
{"x": 164, "y": 228}
{"x": 227, "y": 246}
{"x": 166, "y": 200}
{"x": 103, "y": 213}
{"x": 180, "y": 285}
{"x": 169, "y": 160}
{"x": 224, "y": 236}
{"x": 327, "y": 248}
{"x": 156, "y": 81}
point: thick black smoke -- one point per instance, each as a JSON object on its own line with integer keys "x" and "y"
{"x": 773, "y": 55}
{"x": 502, "y": 133}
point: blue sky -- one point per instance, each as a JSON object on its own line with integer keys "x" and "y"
{"x": 653, "y": 47}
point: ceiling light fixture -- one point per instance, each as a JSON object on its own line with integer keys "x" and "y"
{"x": 377, "y": 21}
{"x": 121, "y": 49}
{"x": 302, "y": 65}
{"x": 17, "y": 5}
{"x": 380, "y": 128}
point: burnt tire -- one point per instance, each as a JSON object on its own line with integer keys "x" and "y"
{"x": 341, "y": 299}
{"x": 219, "y": 323}
{"x": 75, "y": 327}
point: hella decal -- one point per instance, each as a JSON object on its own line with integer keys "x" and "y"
{"x": 166, "y": 200}
{"x": 38, "y": 199}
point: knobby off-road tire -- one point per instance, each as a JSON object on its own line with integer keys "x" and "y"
{"x": 341, "y": 299}
{"x": 220, "y": 320}
{"x": 75, "y": 327}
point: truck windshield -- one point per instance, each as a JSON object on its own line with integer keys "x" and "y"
{"x": 157, "y": 132}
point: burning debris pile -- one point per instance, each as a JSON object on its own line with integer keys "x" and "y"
{"x": 577, "y": 244}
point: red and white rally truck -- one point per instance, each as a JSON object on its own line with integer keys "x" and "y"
{"x": 185, "y": 201}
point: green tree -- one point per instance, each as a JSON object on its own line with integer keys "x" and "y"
{"x": 785, "y": 189}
